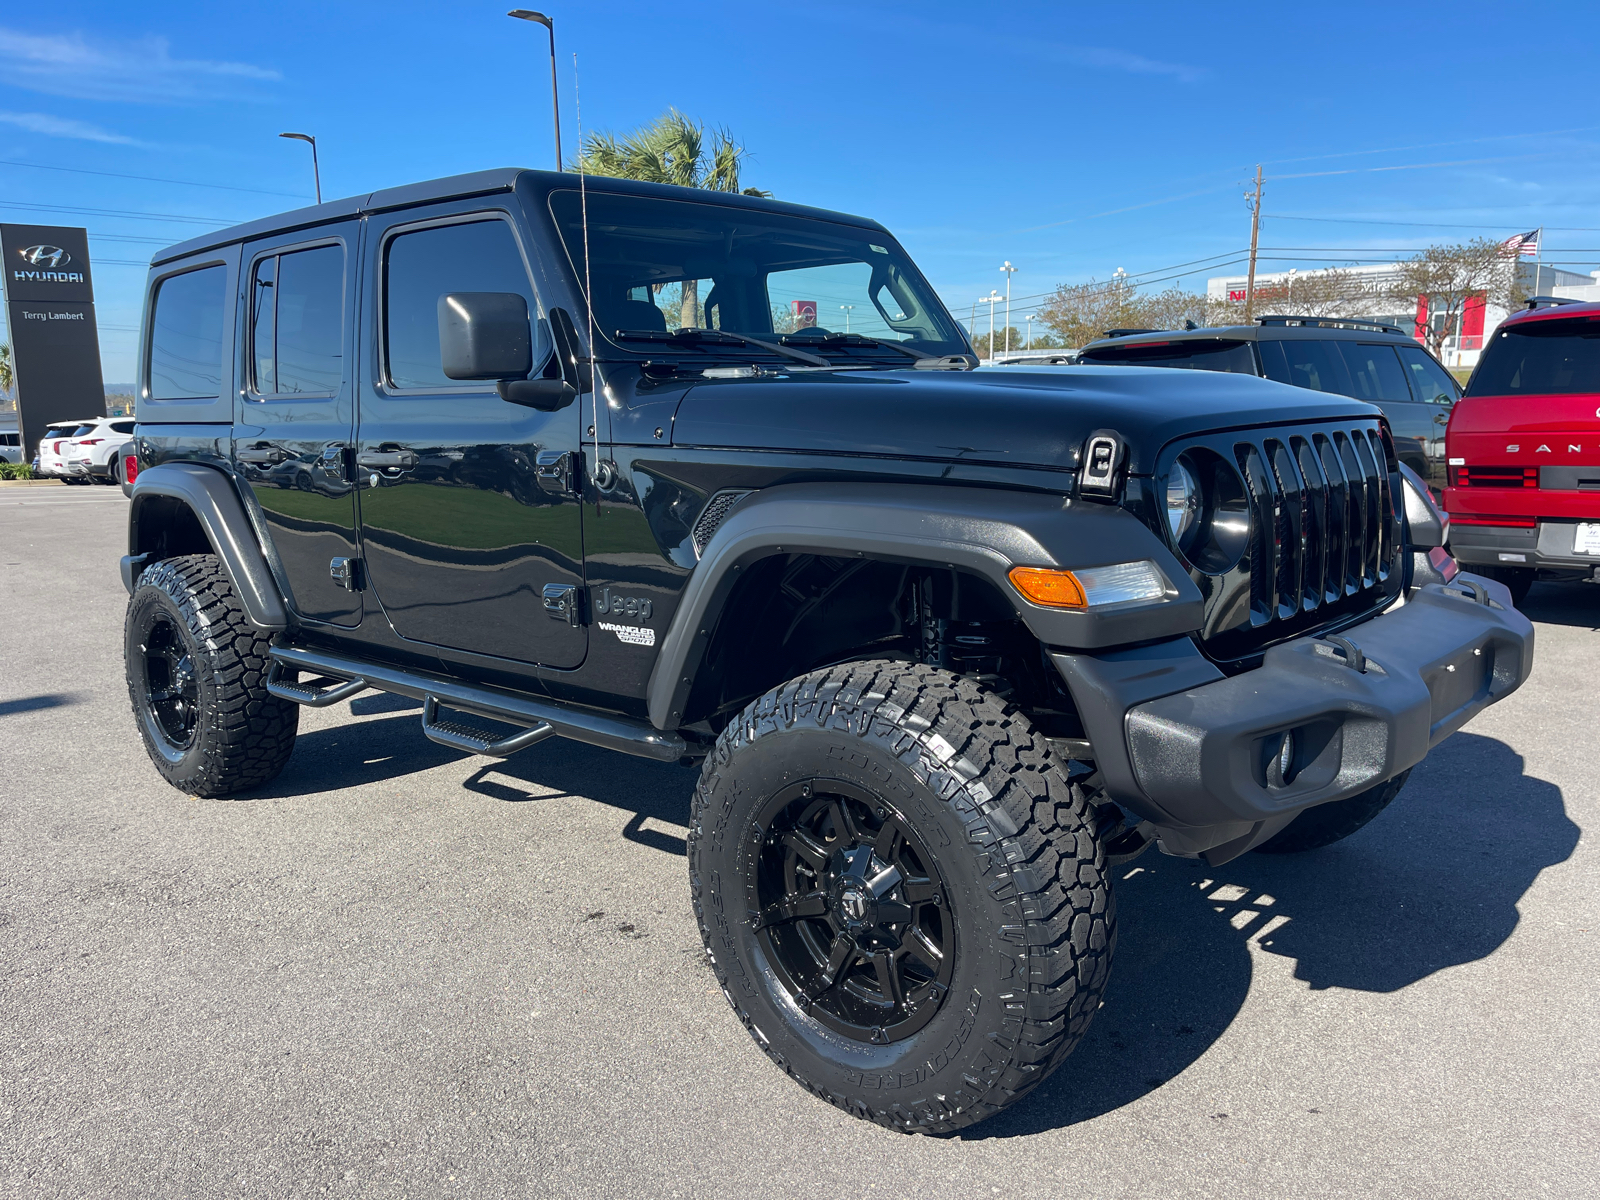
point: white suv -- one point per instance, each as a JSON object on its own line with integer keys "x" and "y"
{"x": 92, "y": 451}
{"x": 52, "y": 462}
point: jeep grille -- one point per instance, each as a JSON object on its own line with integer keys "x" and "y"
{"x": 1324, "y": 546}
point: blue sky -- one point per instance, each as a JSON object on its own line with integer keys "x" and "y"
{"x": 1071, "y": 139}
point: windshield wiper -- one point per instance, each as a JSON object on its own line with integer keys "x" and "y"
{"x": 855, "y": 339}
{"x": 924, "y": 360}
{"x": 696, "y": 337}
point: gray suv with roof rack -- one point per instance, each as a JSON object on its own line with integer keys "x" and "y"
{"x": 1368, "y": 360}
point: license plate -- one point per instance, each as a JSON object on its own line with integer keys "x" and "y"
{"x": 1587, "y": 539}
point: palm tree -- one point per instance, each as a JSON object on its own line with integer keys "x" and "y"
{"x": 672, "y": 150}
{"x": 7, "y": 376}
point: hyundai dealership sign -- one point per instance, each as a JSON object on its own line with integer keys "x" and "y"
{"x": 55, "y": 346}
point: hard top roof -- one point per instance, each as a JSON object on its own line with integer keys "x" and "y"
{"x": 480, "y": 183}
{"x": 1271, "y": 328}
{"x": 1584, "y": 310}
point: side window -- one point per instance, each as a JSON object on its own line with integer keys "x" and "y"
{"x": 186, "y": 336}
{"x": 1429, "y": 380}
{"x": 296, "y": 322}
{"x": 1314, "y": 364}
{"x": 419, "y": 267}
{"x": 1375, "y": 372}
{"x": 122, "y": 426}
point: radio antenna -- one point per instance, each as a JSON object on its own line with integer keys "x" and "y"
{"x": 588, "y": 289}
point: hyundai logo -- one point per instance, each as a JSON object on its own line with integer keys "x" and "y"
{"x": 46, "y": 256}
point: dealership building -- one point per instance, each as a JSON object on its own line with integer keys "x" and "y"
{"x": 1461, "y": 345}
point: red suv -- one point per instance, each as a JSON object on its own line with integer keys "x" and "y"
{"x": 1523, "y": 449}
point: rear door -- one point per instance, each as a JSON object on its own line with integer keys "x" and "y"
{"x": 1376, "y": 375}
{"x": 292, "y": 438}
{"x": 471, "y": 525}
{"x": 1437, "y": 392}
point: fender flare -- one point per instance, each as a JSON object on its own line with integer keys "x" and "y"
{"x": 210, "y": 496}
{"x": 985, "y": 531}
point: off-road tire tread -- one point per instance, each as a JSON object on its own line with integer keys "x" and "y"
{"x": 1031, "y": 831}
{"x": 246, "y": 739}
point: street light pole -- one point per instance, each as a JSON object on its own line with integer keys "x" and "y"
{"x": 1030, "y": 319}
{"x": 847, "y": 308}
{"x": 538, "y": 18}
{"x": 1010, "y": 271}
{"x": 991, "y": 300}
{"x": 316, "y": 170}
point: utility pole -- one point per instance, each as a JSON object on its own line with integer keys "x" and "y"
{"x": 1010, "y": 271}
{"x": 1255, "y": 236}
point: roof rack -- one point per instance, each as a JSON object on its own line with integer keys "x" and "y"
{"x": 1130, "y": 332}
{"x": 1332, "y": 323}
{"x": 1550, "y": 301}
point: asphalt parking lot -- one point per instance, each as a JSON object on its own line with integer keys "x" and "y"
{"x": 400, "y": 971}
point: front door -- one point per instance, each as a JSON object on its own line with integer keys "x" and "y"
{"x": 471, "y": 526}
{"x": 292, "y": 439}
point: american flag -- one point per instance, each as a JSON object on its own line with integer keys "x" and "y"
{"x": 1526, "y": 244}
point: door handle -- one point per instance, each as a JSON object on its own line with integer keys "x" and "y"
{"x": 387, "y": 460}
{"x": 262, "y": 455}
{"x": 558, "y": 471}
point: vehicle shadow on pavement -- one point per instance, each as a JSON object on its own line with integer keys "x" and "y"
{"x": 35, "y": 703}
{"x": 391, "y": 747}
{"x": 1431, "y": 884}
{"x": 1574, "y": 604}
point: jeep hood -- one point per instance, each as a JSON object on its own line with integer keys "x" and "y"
{"x": 1022, "y": 416}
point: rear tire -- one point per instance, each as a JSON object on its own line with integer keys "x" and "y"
{"x": 196, "y": 670}
{"x": 1329, "y": 823}
{"x": 900, "y": 893}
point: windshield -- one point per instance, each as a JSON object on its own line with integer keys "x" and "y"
{"x": 663, "y": 265}
{"x": 1541, "y": 358}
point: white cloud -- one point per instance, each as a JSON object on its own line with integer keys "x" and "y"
{"x": 139, "y": 70}
{"x": 64, "y": 127}
{"x": 1122, "y": 60}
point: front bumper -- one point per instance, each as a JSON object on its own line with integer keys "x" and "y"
{"x": 1548, "y": 547}
{"x": 1196, "y": 753}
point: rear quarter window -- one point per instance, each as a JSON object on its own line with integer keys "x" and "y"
{"x": 1541, "y": 358}
{"x": 186, "y": 336}
{"x": 1313, "y": 363}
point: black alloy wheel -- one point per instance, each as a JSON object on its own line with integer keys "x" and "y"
{"x": 196, "y": 670}
{"x": 853, "y": 913}
{"x": 171, "y": 693}
{"x": 901, "y": 892}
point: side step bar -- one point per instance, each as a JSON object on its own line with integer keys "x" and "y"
{"x": 311, "y": 697}
{"x": 596, "y": 729}
{"x": 460, "y": 737}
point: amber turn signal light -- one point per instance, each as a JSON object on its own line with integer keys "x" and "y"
{"x": 1050, "y": 588}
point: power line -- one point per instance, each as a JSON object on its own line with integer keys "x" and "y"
{"x": 1424, "y": 224}
{"x": 120, "y": 212}
{"x": 153, "y": 179}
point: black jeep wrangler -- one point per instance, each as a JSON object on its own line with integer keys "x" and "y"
{"x": 713, "y": 480}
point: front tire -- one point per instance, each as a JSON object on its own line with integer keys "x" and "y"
{"x": 900, "y": 893}
{"x": 1329, "y": 823}
{"x": 1518, "y": 580}
{"x": 196, "y": 670}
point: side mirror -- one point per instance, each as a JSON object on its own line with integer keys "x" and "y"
{"x": 1427, "y": 523}
{"x": 487, "y": 335}
{"x": 484, "y": 335}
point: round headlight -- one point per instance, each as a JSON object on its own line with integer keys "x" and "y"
{"x": 1183, "y": 502}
